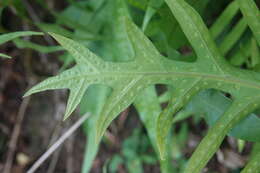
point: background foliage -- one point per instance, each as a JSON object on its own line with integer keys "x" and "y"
{"x": 205, "y": 59}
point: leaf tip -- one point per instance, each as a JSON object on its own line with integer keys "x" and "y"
{"x": 4, "y": 56}
{"x": 52, "y": 33}
{"x": 68, "y": 112}
{"x": 97, "y": 138}
{"x": 56, "y": 36}
{"x": 27, "y": 93}
{"x": 161, "y": 151}
{"x": 65, "y": 117}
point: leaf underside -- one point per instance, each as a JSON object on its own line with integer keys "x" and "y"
{"x": 148, "y": 67}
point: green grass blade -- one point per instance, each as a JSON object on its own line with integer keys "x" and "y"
{"x": 255, "y": 54}
{"x": 252, "y": 16}
{"x": 5, "y": 56}
{"x": 241, "y": 55}
{"x": 152, "y": 8}
{"x": 233, "y": 37}
{"x": 39, "y": 48}
{"x": 224, "y": 19}
{"x": 10, "y": 36}
{"x": 253, "y": 165}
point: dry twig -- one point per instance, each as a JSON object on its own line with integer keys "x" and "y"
{"x": 15, "y": 134}
{"x": 54, "y": 147}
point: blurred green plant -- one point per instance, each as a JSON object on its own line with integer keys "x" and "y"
{"x": 135, "y": 153}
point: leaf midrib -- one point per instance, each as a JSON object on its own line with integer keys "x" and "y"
{"x": 219, "y": 78}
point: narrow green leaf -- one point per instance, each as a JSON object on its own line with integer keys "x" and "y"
{"x": 241, "y": 55}
{"x": 252, "y": 16}
{"x": 40, "y": 48}
{"x": 241, "y": 145}
{"x": 224, "y": 19}
{"x": 152, "y": 8}
{"x": 5, "y": 56}
{"x": 233, "y": 37}
{"x": 10, "y": 36}
{"x": 253, "y": 165}
{"x": 255, "y": 54}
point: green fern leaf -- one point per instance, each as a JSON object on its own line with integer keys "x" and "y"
{"x": 123, "y": 77}
{"x": 128, "y": 79}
